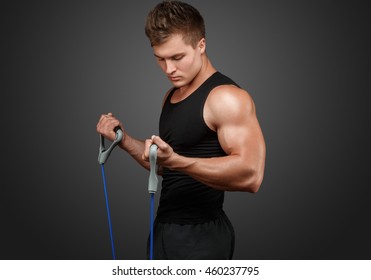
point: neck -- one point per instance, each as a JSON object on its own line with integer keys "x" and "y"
{"x": 205, "y": 72}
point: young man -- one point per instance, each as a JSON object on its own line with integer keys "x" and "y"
{"x": 210, "y": 140}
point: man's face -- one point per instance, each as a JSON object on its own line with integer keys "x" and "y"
{"x": 179, "y": 61}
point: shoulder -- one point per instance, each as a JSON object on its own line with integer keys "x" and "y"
{"x": 230, "y": 98}
{"x": 228, "y": 103}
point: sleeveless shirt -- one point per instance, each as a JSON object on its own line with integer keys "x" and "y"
{"x": 185, "y": 200}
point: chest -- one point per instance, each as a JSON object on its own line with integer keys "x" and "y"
{"x": 182, "y": 124}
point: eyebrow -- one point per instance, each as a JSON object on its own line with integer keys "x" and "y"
{"x": 173, "y": 56}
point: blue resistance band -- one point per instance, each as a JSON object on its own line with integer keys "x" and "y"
{"x": 152, "y": 189}
{"x": 152, "y": 214}
{"x": 108, "y": 213}
{"x": 152, "y": 185}
{"x": 102, "y": 158}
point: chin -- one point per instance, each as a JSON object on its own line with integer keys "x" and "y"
{"x": 179, "y": 84}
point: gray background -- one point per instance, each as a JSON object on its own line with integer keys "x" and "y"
{"x": 305, "y": 63}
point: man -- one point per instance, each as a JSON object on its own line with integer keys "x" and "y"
{"x": 210, "y": 140}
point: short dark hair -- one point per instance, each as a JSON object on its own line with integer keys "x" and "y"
{"x": 174, "y": 17}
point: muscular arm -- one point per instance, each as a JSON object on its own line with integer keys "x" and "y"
{"x": 229, "y": 111}
{"x": 134, "y": 148}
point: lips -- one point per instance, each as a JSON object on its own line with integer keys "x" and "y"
{"x": 174, "y": 78}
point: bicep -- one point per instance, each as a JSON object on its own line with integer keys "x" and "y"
{"x": 236, "y": 124}
{"x": 241, "y": 138}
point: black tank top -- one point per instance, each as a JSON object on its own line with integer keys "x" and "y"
{"x": 183, "y": 199}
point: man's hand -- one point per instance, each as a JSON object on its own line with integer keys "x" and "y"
{"x": 164, "y": 152}
{"x": 106, "y": 126}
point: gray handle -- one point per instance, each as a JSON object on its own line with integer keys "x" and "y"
{"x": 153, "y": 180}
{"x": 103, "y": 152}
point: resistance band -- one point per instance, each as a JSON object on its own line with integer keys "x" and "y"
{"x": 152, "y": 189}
{"x": 102, "y": 158}
{"x": 152, "y": 184}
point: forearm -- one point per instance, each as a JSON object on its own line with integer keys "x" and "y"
{"x": 134, "y": 148}
{"x": 228, "y": 173}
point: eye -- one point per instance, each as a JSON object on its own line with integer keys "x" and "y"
{"x": 176, "y": 58}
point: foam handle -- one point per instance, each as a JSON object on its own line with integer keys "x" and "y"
{"x": 153, "y": 180}
{"x": 103, "y": 152}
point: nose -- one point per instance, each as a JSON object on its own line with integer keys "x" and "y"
{"x": 170, "y": 67}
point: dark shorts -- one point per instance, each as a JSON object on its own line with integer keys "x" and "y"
{"x": 212, "y": 240}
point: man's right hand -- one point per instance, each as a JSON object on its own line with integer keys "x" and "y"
{"x": 106, "y": 126}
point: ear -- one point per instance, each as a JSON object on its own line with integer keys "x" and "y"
{"x": 202, "y": 45}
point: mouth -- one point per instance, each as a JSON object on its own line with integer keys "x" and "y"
{"x": 174, "y": 78}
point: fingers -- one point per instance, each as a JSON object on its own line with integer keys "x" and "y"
{"x": 164, "y": 150}
{"x": 147, "y": 145}
{"x": 105, "y": 116}
{"x": 106, "y": 126}
{"x": 161, "y": 144}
